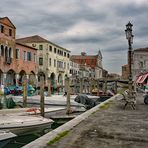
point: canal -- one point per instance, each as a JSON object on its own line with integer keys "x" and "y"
{"x": 20, "y": 141}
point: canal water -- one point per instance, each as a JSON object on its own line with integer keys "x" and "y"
{"x": 20, "y": 141}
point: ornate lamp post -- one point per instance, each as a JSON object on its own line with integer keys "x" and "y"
{"x": 129, "y": 37}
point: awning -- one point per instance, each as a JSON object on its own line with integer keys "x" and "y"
{"x": 142, "y": 78}
{"x": 139, "y": 78}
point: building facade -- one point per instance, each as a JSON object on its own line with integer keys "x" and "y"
{"x": 140, "y": 62}
{"x": 12, "y": 65}
{"x": 52, "y": 59}
{"x": 92, "y": 62}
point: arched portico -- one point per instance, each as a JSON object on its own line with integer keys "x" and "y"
{"x": 32, "y": 78}
{"x": 60, "y": 82}
{"x": 10, "y": 78}
{"x": 21, "y": 74}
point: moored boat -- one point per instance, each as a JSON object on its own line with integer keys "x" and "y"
{"x": 5, "y": 137}
{"x": 22, "y": 125}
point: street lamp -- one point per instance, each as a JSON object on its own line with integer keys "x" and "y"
{"x": 129, "y": 37}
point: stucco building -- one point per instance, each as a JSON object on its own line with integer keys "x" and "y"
{"x": 140, "y": 61}
{"x": 52, "y": 59}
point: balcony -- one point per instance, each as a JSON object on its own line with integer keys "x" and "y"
{"x": 60, "y": 69}
{"x": 8, "y": 60}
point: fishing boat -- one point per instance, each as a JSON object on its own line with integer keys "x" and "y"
{"x": 5, "y": 137}
{"x": 22, "y": 125}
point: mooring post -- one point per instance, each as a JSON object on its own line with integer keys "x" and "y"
{"x": 116, "y": 86}
{"x": 42, "y": 96}
{"x": 105, "y": 88}
{"x": 67, "y": 81}
{"x": 24, "y": 91}
{"x": 49, "y": 85}
{"x": 98, "y": 87}
{"x": 81, "y": 85}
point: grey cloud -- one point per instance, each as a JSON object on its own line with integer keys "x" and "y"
{"x": 52, "y": 18}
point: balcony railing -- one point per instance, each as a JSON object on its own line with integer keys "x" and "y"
{"x": 60, "y": 69}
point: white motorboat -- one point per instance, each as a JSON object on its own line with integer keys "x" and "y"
{"x": 5, "y": 137}
{"x": 21, "y": 125}
{"x": 54, "y": 100}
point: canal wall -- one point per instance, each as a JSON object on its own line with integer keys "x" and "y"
{"x": 42, "y": 141}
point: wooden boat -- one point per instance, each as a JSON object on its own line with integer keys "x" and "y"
{"x": 22, "y": 125}
{"x": 5, "y": 137}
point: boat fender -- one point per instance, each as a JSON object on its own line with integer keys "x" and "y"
{"x": 33, "y": 110}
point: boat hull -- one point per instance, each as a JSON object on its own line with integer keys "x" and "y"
{"x": 5, "y": 137}
{"x": 22, "y": 125}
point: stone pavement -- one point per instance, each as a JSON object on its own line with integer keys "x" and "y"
{"x": 108, "y": 126}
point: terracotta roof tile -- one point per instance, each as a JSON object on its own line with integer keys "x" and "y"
{"x": 7, "y": 21}
{"x": 31, "y": 39}
{"x": 37, "y": 39}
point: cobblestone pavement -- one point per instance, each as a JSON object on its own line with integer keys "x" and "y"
{"x": 110, "y": 127}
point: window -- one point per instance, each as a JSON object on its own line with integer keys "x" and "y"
{"x": 67, "y": 65}
{"x": 49, "y": 61}
{"x": 58, "y": 51}
{"x": 50, "y": 48}
{"x": 10, "y": 32}
{"x": 17, "y": 54}
{"x": 25, "y": 56}
{"x": 64, "y": 54}
{"x": 68, "y": 55}
{"x": 59, "y": 64}
{"x": 40, "y": 47}
{"x": 141, "y": 64}
{"x": 2, "y": 50}
{"x": 55, "y": 50}
{"x": 40, "y": 61}
{"x": 2, "y": 28}
{"x": 28, "y": 56}
{"x": 54, "y": 63}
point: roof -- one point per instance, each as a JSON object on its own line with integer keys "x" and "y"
{"x": 126, "y": 65}
{"x": 141, "y": 49}
{"x": 17, "y": 43}
{"x": 6, "y": 21}
{"x": 83, "y": 57}
{"x": 30, "y": 39}
{"x": 37, "y": 39}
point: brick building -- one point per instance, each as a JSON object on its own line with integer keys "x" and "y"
{"x": 92, "y": 61}
{"x": 12, "y": 64}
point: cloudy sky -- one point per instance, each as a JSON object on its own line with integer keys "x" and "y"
{"x": 83, "y": 25}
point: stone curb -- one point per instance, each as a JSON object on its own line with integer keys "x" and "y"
{"x": 42, "y": 141}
